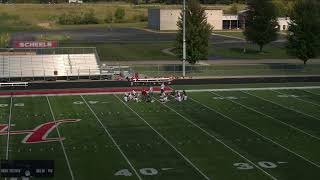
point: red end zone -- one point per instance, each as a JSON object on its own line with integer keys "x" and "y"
{"x": 80, "y": 91}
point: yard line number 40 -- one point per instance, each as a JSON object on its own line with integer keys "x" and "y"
{"x": 240, "y": 166}
{"x": 143, "y": 171}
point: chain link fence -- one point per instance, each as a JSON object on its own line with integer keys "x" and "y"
{"x": 226, "y": 70}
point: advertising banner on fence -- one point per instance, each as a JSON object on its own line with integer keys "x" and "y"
{"x": 35, "y": 44}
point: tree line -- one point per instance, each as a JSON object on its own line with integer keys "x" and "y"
{"x": 140, "y": 1}
{"x": 261, "y": 28}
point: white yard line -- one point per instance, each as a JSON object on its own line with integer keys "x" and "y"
{"x": 227, "y": 117}
{"x": 167, "y": 141}
{"x": 303, "y": 100}
{"x": 9, "y": 127}
{"x": 311, "y": 92}
{"x": 282, "y": 106}
{"x": 112, "y": 139}
{"x": 275, "y": 119}
{"x": 253, "y": 89}
{"x": 62, "y": 145}
{"x": 218, "y": 140}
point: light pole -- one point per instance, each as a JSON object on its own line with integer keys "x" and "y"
{"x": 184, "y": 56}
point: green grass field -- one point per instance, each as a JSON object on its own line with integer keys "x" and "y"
{"x": 249, "y": 134}
{"x": 228, "y": 70}
{"x": 21, "y": 17}
{"x": 134, "y": 51}
{"x": 154, "y": 51}
{"x": 237, "y": 34}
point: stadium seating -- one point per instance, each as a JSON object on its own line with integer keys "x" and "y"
{"x": 49, "y": 65}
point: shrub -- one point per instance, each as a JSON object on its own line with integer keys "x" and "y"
{"x": 4, "y": 40}
{"x": 73, "y": 17}
{"x": 119, "y": 14}
{"x": 140, "y": 17}
{"x": 109, "y": 18}
{"x": 89, "y": 18}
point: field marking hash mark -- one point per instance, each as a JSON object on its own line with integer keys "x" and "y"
{"x": 303, "y": 100}
{"x": 275, "y": 119}
{"x": 282, "y": 106}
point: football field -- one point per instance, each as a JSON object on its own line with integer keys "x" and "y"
{"x": 237, "y": 134}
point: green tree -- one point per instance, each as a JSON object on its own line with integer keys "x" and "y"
{"x": 281, "y": 8}
{"x": 234, "y": 9}
{"x": 198, "y": 32}
{"x": 4, "y": 40}
{"x": 304, "y": 30}
{"x": 261, "y": 22}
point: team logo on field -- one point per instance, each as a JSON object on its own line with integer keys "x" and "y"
{"x": 38, "y": 134}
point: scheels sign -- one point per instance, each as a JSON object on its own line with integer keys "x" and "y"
{"x": 35, "y": 44}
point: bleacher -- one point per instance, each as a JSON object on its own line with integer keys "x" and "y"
{"x": 16, "y": 84}
{"x": 54, "y": 65}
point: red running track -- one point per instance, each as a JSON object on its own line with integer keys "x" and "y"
{"x": 80, "y": 91}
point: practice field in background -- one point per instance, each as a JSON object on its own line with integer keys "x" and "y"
{"x": 218, "y": 135}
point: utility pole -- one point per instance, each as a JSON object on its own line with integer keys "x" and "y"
{"x": 184, "y": 41}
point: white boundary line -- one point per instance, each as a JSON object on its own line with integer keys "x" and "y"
{"x": 275, "y": 119}
{"x": 112, "y": 139}
{"x": 227, "y": 117}
{"x": 66, "y": 94}
{"x": 195, "y": 90}
{"x": 303, "y": 100}
{"x": 173, "y": 147}
{"x": 218, "y": 140}
{"x": 9, "y": 127}
{"x": 62, "y": 145}
{"x": 282, "y": 106}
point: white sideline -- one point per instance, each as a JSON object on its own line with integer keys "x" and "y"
{"x": 194, "y": 90}
{"x": 218, "y": 140}
{"x": 62, "y": 145}
{"x": 311, "y": 162}
{"x": 167, "y": 141}
{"x": 282, "y": 106}
{"x": 275, "y": 119}
{"x": 112, "y": 139}
{"x": 303, "y": 100}
{"x": 9, "y": 126}
{"x": 252, "y": 89}
{"x": 65, "y": 94}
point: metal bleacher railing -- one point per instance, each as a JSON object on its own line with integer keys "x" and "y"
{"x": 71, "y": 62}
{"x": 15, "y": 84}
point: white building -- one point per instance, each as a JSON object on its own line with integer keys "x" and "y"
{"x": 166, "y": 19}
{"x": 283, "y": 23}
{"x": 75, "y": 1}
